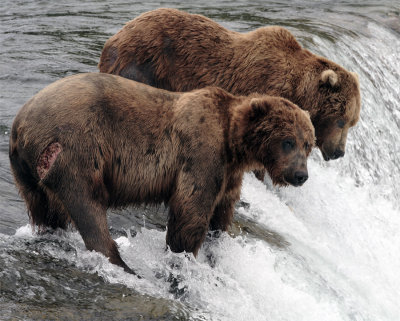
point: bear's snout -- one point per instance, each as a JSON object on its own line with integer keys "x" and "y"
{"x": 300, "y": 177}
{"x": 335, "y": 154}
{"x": 338, "y": 153}
{"x": 297, "y": 178}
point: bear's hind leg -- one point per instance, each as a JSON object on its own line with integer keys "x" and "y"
{"x": 88, "y": 215}
{"x": 91, "y": 221}
{"x": 44, "y": 210}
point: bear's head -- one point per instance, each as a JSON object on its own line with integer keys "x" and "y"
{"x": 280, "y": 136}
{"x": 332, "y": 96}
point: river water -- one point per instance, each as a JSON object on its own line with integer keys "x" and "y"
{"x": 329, "y": 250}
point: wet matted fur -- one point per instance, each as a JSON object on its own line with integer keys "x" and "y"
{"x": 91, "y": 142}
{"x": 178, "y": 51}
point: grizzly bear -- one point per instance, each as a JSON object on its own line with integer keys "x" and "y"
{"x": 91, "y": 142}
{"x": 178, "y": 51}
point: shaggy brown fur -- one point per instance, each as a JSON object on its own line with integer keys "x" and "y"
{"x": 179, "y": 51}
{"x": 94, "y": 141}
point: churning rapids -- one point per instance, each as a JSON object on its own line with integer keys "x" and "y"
{"x": 329, "y": 250}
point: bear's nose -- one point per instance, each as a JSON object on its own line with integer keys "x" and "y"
{"x": 338, "y": 153}
{"x": 300, "y": 177}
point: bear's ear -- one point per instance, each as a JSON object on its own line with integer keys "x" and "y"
{"x": 259, "y": 106}
{"x": 307, "y": 113}
{"x": 329, "y": 76}
{"x": 355, "y": 75}
{"x": 258, "y": 109}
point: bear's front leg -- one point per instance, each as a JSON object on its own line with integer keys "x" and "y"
{"x": 223, "y": 212}
{"x": 190, "y": 210}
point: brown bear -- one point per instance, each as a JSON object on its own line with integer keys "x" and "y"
{"x": 178, "y": 51}
{"x": 91, "y": 142}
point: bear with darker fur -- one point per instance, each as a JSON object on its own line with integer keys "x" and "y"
{"x": 91, "y": 142}
{"x": 178, "y": 51}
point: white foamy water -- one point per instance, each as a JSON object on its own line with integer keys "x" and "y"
{"x": 373, "y": 151}
{"x": 342, "y": 262}
{"x": 343, "y": 225}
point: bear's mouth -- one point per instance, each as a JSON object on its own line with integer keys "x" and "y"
{"x": 280, "y": 181}
{"x": 325, "y": 156}
{"x": 294, "y": 180}
{"x": 337, "y": 153}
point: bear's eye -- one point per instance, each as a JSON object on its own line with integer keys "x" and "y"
{"x": 341, "y": 123}
{"x": 306, "y": 145}
{"x": 288, "y": 144}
